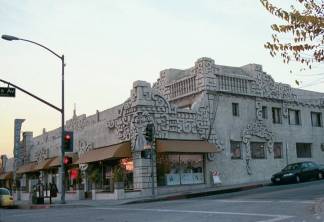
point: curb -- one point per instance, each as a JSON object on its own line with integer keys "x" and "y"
{"x": 47, "y": 206}
{"x": 149, "y": 200}
{"x": 200, "y": 194}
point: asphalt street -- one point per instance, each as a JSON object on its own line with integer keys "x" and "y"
{"x": 295, "y": 202}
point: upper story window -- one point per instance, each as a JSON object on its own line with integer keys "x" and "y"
{"x": 276, "y": 115}
{"x": 277, "y": 150}
{"x": 294, "y": 117}
{"x": 258, "y": 150}
{"x": 316, "y": 119}
{"x": 235, "y": 109}
{"x": 304, "y": 150}
{"x": 236, "y": 150}
{"x": 264, "y": 112}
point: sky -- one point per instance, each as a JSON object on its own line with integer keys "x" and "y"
{"x": 109, "y": 44}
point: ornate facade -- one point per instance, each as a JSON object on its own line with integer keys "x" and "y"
{"x": 196, "y": 104}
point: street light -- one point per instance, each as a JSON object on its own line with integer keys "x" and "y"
{"x": 11, "y": 38}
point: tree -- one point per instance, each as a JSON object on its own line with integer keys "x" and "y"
{"x": 306, "y": 29}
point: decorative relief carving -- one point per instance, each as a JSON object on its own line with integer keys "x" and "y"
{"x": 84, "y": 146}
{"x": 77, "y": 123}
{"x": 204, "y": 65}
{"x": 259, "y": 129}
{"x": 265, "y": 86}
{"x": 166, "y": 118}
{"x": 258, "y": 106}
{"x": 41, "y": 154}
{"x": 285, "y": 110}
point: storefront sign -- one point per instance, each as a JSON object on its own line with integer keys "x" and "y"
{"x": 172, "y": 179}
{"x": 216, "y": 178}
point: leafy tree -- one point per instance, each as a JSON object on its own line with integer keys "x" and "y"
{"x": 305, "y": 26}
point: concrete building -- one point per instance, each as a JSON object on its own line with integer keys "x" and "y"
{"x": 234, "y": 122}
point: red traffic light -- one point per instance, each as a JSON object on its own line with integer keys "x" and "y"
{"x": 67, "y": 137}
{"x": 74, "y": 174}
{"x": 67, "y": 160}
{"x": 68, "y": 141}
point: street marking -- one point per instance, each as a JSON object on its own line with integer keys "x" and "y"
{"x": 276, "y": 217}
{"x": 246, "y": 201}
{"x": 264, "y": 201}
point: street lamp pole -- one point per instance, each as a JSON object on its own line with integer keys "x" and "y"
{"x": 11, "y": 38}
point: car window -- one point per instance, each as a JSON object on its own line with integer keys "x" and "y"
{"x": 305, "y": 165}
{"x": 293, "y": 166}
{"x": 4, "y": 192}
{"x": 310, "y": 164}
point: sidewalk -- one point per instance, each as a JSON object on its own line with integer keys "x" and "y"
{"x": 171, "y": 196}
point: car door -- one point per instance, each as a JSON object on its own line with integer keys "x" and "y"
{"x": 306, "y": 172}
{"x": 313, "y": 170}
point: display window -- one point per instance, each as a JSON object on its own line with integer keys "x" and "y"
{"x": 180, "y": 169}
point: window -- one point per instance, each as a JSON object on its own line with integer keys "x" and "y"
{"x": 236, "y": 150}
{"x": 277, "y": 150}
{"x": 316, "y": 119}
{"x": 303, "y": 150}
{"x": 235, "y": 109}
{"x": 176, "y": 169}
{"x": 276, "y": 115}
{"x": 264, "y": 112}
{"x": 294, "y": 117}
{"x": 257, "y": 150}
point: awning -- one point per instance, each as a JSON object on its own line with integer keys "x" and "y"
{"x": 29, "y": 167}
{"x": 43, "y": 165}
{"x": 186, "y": 146}
{"x": 6, "y": 175}
{"x": 120, "y": 150}
{"x": 57, "y": 161}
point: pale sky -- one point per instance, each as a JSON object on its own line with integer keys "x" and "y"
{"x": 109, "y": 44}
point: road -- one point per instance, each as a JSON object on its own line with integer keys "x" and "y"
{"x": 294, "y": 202}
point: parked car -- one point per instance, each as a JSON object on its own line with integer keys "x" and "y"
{"x": 6, "y": 200}
{"x": 298, "y": 172}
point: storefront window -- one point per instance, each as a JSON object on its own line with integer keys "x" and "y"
{"x": 178, "y": 169}
{"x": 128, "y": 165}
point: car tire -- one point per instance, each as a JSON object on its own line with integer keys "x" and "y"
{"x": 297, "y": 179}
{"x": 320, "y": 175}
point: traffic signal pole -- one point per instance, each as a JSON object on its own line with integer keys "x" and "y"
{"x": 13, "y": 38}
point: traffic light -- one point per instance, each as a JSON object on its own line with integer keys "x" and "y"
{"x": 68, "y": 141}
{"x": 74, "y": 173}
{"x": 67, "y": 160}
{"x": 149, "y": 132}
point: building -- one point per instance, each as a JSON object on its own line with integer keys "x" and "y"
{"x": 6, "y": 172}
{"x": 208, "y": 119}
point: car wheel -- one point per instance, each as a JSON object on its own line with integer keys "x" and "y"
{"x": 320, "y": 176}
{"x": 297, "y": 178}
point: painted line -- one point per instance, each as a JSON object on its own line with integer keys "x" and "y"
{"x": 264, "y": 201}
{"x": 299, "y": 202}
{"x": 246, "y": 201}
{"x": 274, "y": 219}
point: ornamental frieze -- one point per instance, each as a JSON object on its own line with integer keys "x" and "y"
{"x": 146, "y": 106}
{"x": 265, "y": 86}
{"x": 41, "y": 154}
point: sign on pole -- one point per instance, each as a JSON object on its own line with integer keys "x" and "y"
{"x": 7, "y": 92}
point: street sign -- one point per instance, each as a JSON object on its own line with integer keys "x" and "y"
{"x": 7, "y": 92}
